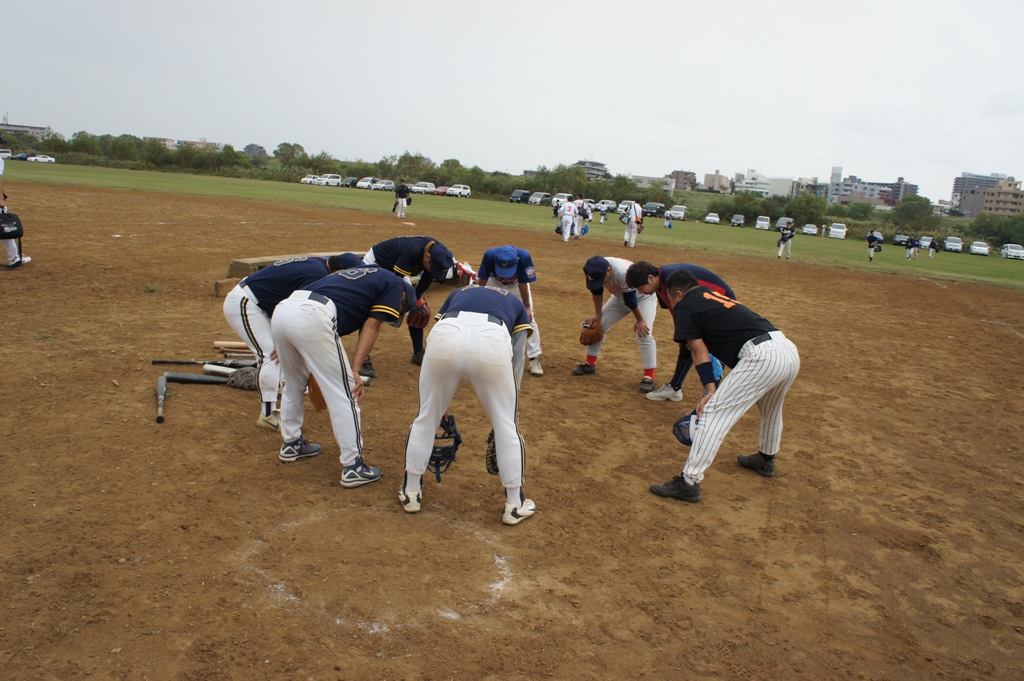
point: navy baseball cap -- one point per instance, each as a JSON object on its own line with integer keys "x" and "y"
{"x": 441, "y": 262}
{"x": 506, "y": 262}
{"x": 596, "y": 270}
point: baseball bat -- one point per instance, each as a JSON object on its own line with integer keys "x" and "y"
{"x": 218, "y": 370}
{"x": 161, "y": 393}
{"x": 240, "y": 355}
{"x": 230, "y": 345}
{"x": 233, "y": 363}
{"x": 174, "y": 377}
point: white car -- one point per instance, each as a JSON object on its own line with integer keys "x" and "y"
{"x": 1014, "y": 251}
{"x": 611, "y": 206}
{"x": 954, "y": 244}
{"x": 763, "y": 222}
{"x": 539, "y": 199}
{"x": 42, "y": 159}
{"x": 810, "y": 229}
{"x": 365, "y": 183}
{"x": 624, "y": 206}
{"x": 676, "y": 213}
{"x": 559, "y": 199}
{"x": 837, "y": 230}
{"x": 423, "y": 188}
{"x": 925, "y": 242}
{"x": 329, "y": 180}
{"x": 310, "y": 179}
{"x": 383, "y": 185}
{"x": 979, "y": 248}
{"x": 460, "y": 190}
{"x": 711, "y": 219}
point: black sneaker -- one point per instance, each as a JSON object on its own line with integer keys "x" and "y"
{"x": 678, "y": 488}
{"x": 367, "y": 369}
{"x": 298, "y": 449}
{"x": 417, "y": 358}
{"x": 758, "y": 464}
{"x": 582, "y": 369}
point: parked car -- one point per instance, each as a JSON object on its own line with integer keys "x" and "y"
{"x": 924, "y": 243}
{"x": 900, "y": 240}
{"x": 1014, "y": 251}
{"x": 459, "y": 190}
{"x": 365, "y": 183}
{"x": 440, "y": 191}
{"x": 41, "y": 158}
{"x": 837, "y": 230}
{"x": 783, "y": 222}
{"x": 624, "y": 206}
{"x": 519, "y": 196}
{"x": 979, "y": 248}
{"x": 423, "y": 188}
{"x": 653, "y": 209}
{"x": 676, "y": 213}
{"x": 383, "y": 186}
{"x": 763, "y": 222}
{"x": 954, "y": 244}
{"x": 5, "y": 153}
{"x": 329, "y": 180}
{"x": 540, "y": 199}
{"x": 559, "y": 199}
{"x": 350, "y": 182}
{"x": 809, "y": 229}
{"x": 737, "y": 220}
{"x": 309, "y": 179}
{"x": 611, "y": 205}
{"x": 711, "y": 219}
{"x": 21, "y": 157}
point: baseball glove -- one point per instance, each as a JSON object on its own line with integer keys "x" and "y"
{"x": 491, "y": 455}
{"x": 591, "y": 334}
{"x": 639, "y": 225}
{"x": 420, "y": 315}
{"x": 245, "y": 378}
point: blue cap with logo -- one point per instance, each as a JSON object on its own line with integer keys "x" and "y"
{"x": 596, "y": 270}
{"x": 441, "y": 262}
{"x": 506, "y": 262}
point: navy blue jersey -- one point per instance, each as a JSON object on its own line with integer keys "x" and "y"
{"x": 492, "y": 301}
{"x": 361, "y": 293}
{"x": 525, "y": 271}
{"x": 723, "y": 324}
{"x": 705, "y": 277}
{"x": 403, "y": 255}
{"x": 274, "y": 283}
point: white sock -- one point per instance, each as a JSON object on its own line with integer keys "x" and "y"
{"x": 514, "y": 496}
{"x": 413, "y": 483}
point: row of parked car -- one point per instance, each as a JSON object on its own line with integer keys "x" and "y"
{"x": 376, "y": 184}
{"x": 35, "y": 158}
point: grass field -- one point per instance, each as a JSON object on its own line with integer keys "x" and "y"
{"x": 851, "y": 253}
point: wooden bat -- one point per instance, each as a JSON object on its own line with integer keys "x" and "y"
{"x": 174, "y": 377}
{"x": 316, "y": 396}
{"x": 161, "y": 393}
{"x": 218, "y": 370}
{"x": 233, "y": 363}
{"x": 230, "y": 345}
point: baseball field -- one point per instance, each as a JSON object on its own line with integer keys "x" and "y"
{"x": 888, "y": 545}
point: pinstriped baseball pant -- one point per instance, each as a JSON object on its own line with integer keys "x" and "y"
{"x": 762, "y": 377}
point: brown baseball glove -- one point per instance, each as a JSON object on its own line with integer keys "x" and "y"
{"x": 419, "y": 316}
{"x": 591, "y": 334}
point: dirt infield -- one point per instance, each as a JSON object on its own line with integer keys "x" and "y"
{"x": 888, "y": 546}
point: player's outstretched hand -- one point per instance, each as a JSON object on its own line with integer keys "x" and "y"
{"x": 641, "y": 328}
{"x": 359, "y": 389}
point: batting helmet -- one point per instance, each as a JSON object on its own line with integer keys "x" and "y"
{"x": 685, "y": 428}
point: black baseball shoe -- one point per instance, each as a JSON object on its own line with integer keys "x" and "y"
{"x": 367, "y": 369}
{"x": 758, "y": 463}
{"x": 298, "y": 449}
{"x": 647, "y": 384}
{"x": 582, "y": 369}
{"x": 417, "y": 358}
{"x": 678, "y": 488}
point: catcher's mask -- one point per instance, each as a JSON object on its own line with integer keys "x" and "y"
{"x": 446, "y": 444}
{"x": 685, "y": 428}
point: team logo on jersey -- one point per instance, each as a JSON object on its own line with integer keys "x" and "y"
{"x": 530, "y": 272}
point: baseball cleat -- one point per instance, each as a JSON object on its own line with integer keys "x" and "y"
{"x": 417, "y": 358}
{"x": 516, "y": 514}
{"x": 535, "y": 368}
{"x": 272, "y": 422}
{"x": 665, "y": 393}
{"x": 757, "y": 463}
{"x": 298, "y": 449}
{"x": 678, "y": 488}
{"x": 647, "y": 385}
{"x": 410, "y": 502}
{"x": 582, "y": 369}
{"x": 359, "y": 474}
{"x": 367, "y": 370}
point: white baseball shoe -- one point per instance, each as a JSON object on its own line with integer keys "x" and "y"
{"x": 665, "y": 393}
{"x": 410, "y": 502}
{"x": 535, "y": 368}
{"x": 516, "y": 514}
{"x": 272, "y": 422}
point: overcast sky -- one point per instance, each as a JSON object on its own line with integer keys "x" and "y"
{"x": 923, "y": 90}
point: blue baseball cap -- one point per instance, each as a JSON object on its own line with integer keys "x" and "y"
{"x": 506, "y": 262}
{"x": 441, "y": 262}
{"x": 596, "y": 270}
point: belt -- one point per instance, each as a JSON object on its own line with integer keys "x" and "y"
{"x": 323, "y": 300}
{"x": 764, "y": 337}
{"x": 494, "y": 319}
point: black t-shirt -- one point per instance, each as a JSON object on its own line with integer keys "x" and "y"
{"x": 723, "y": 324}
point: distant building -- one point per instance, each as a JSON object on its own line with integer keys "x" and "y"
{"x": 968, "y": 181}
{"x": 593, "y": 169}
{"x": 36, "y": 131}
{"x": 810, "y": 185}
{"x": 752, "y": 181}
{"x": 646, "y": 182}
{"x": 1005, "y": 199}
{"x": 717, "y": 182}
{"x": 167, "y": 142}
{"x": 970, "y": 201}
{"x": 201, "y": 144}
{"x": 685, "y": 180}
{"x": 852, "y": 189}
{"x": 941, "y": 208}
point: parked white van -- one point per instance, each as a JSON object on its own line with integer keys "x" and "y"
{"x": 5, "y": 153}
{"x": 763, "y": 222}
{"x": 837, "y": 230}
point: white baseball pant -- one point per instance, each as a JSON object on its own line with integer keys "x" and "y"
{"x": 402, "y": 205}
{"x": 252, "y": 325}
{"x": 567, "y": 227}
{"x": 533, "y": 342}
{"x": 630, "y": 234}
{"x": 762, "y": 377}
{"x": 305, "y": 334}
{"x": 615, "y": 310}
{"x": 469, "y": 346}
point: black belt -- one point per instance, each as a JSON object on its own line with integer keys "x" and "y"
{"x": 323, "y": 300}
{"x": 767, "y": 336}
{"x": 494, "y": 319}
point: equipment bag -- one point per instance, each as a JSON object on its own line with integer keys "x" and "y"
{"x": 10, "y": 226}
